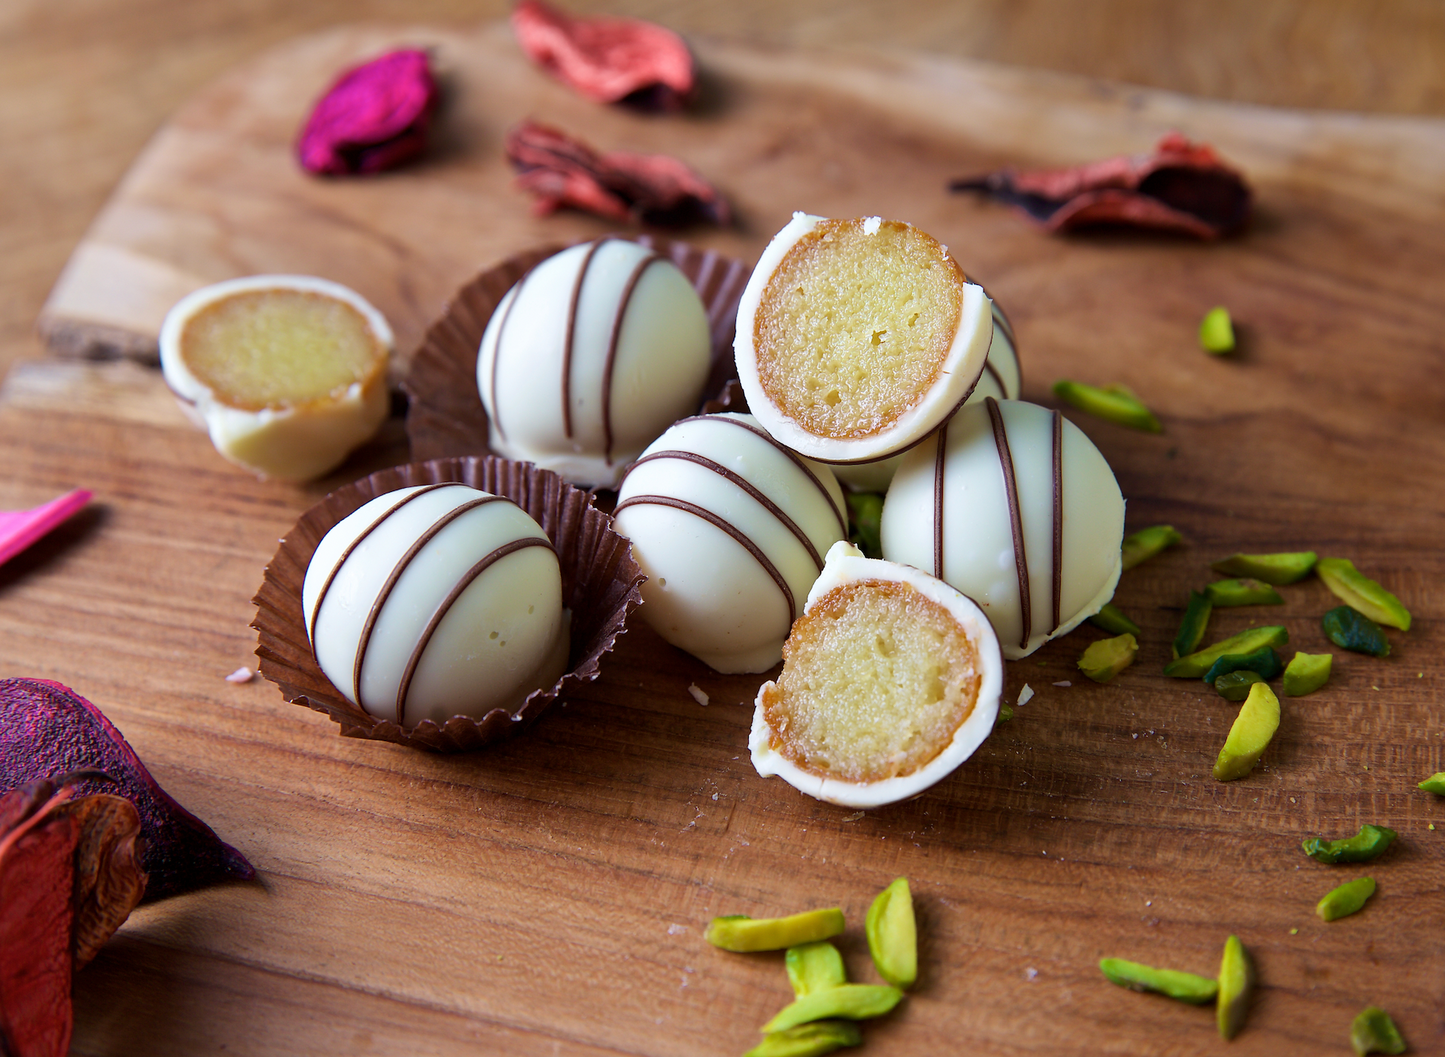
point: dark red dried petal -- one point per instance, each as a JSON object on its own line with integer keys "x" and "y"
{"x": 652, "y": 188}
{"x": 607, "y": 59}
{"x": 1180, "y": 187}
{"x": 374, "y": 117}
{"x": 48, "y": 730}
{"x": 109, "y": 881}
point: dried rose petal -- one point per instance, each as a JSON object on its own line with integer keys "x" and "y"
{"x": 374, "y": 117}
{"x": 1180, "y": 187}
{"x": 20, "y": 528}
{"x": 109, "y": 881}
{"x": 47, "y": 729}
{"x": 653, "y": 188}
{"x": 607, "y": 59}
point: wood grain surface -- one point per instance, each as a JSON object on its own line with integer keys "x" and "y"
{"x": 549, "y": 896}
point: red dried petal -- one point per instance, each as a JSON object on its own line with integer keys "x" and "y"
{"x": 607, "y": 59}
{"x": 48, "y": 730}
{"x": 375, "y": 116}
{"x": 109, "y": 881}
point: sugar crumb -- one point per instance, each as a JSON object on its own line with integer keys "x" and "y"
{"x": 1026, "y": 695}
{"x": 698, "y": 694}
{"x": 241, "y": 675}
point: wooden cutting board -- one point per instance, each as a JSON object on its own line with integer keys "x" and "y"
{"x": 549, "y": 896}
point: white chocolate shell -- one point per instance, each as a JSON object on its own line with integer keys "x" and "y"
{"x": 589, "y": 357}
{"x": 436, "y": 601}
{"x": 730, "y": 529}
{"x": 846, "y": 564}
{"x": 1013, "y": 505}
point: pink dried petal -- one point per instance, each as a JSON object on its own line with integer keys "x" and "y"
{"x": 20, "y": 528}
{"x": 607, "y": 59}
{"x": 375, "y": 116}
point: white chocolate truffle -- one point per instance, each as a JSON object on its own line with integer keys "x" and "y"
{"x": 730, "y": 528}
{"x": 1013, "y": 505}
{"x": 1001, "y": 379}
{"x": 856, "y": 338}
{"x": 589, "y": 357}
{"x": 891, "y": 679}
{"x": 286, "y": 372}
{"x": 436, "y": 601}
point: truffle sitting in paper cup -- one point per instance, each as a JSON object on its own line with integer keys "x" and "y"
{"x": 590, "y": 356}
{"x": 286, "y": 372}
{"x": 856, "y": 338}
{"x": 1013, "y": 505}
{"x": 730, "y": 528}
{"x": 890, "y": 680}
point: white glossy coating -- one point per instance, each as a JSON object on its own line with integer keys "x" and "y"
{"x": 978, "y": 550}
{"x": 846, "y": 564}
{"x": 706, "y": 593}
{"x": 658, "y": 372}
{"x": 504, "y": 636}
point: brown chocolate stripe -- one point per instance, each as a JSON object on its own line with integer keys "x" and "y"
{"x": 571, "y": 334}
{"x": 940, "y": 462}
{"x": 442, "y": 610}
{"x": 732, "y": 530}
{"x": 997, "y": 378}
{"x": 1016, "y": 523}
{"x": 622, "y": 303}
{"x": 1058, "y": 474}
{"x": 747, "y": 486}
{"x": 497, "y": 349}
{"x": 381, "y": 598}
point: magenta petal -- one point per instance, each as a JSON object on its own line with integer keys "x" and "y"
{"x": 374, "y": 117}
{"x": 20, "y": 528}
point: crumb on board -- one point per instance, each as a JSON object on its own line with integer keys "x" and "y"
{"x": 1026, "y": 695}
{"x": 1063, "y": 682}
{"x": 241, "y": 675}
{"x": 855, "y": 816}
{"x": 697, "y": 693}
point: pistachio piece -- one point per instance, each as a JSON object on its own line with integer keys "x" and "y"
{"x": 1372, "y": 1031}
{"x": 1236, "y": 984}
{"x": 1263, "y": 660}
{"x": 1351, "y": 630}
{"x": 1146, "y": 543}
{"x": 1357, "y": 590}
{"x": 1306, "y": 673}
{"x": 808, "y": 1040}
{"x": 1345, "y": 900}
{"x": 1186, "y": 987}
{"x": 865, "y": 518}
{"x": 1365, "y": 845}
{"x": 738, "y": 932}
{"x": 1005, "y": 713}
{"x": 1194, "y": 624}
{"x": 852, "y": 1001}
{"x": 1113, "y": 403}
{"x": 1216, "y": 331}
{"x": 814, "y": 967}
{"x": 893, "y": 934}
{"x": 1435, "y": 784}
{"x": 1242, "y": 592}
{"x": 1277, "y": 569}
{"x": 1108, "y": 657}
{"x": 1235, "y": 686}
{"x": 1256, "y": 723}
{"x": 1194, "y": 665}
{"x": 1112, "y": 619}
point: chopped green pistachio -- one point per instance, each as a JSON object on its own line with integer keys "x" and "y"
{"x": 1263, "y": 660}
{"x": 738, "y": 932}
{"x": 808, "y": 1040}
{"x": 1146, "y": 543}
{"x": 1111, "y": 618}
{"x": 1255, "y": 725}
{"x": 1277, "y": 569}
{"x": 1435, "y": 784}
{"x": 1108, "y": 657}
{"x": 1365, "y": 845}
{"x": 1357, "y": 590}
{"x": 1194, "y": 625}
{"x": 1236, "y": 985}
{"x": 865, "y": 518}
{"x": 1242, "y": 592}
{"x": 893, "y": 934}
{"x": 1372, "y": 1031}
{"x": 1186, "y": 987}
{"x": 1216, "y": 331}
{"x": 1114, "y": 403}
{"x": 1352, "y": 630}
{"x": 1005, "y": 713}
{"x": 853, "y": 1001}
{"x": 1306, "y": 673}
{"x": 814, "y": 967}
{"x": 1346, "y": 899}
{"x": 1194, "y": 665}
{"x": 1234, "y": 686}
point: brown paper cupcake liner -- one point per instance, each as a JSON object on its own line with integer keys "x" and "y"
{"x": 445, "y": 417}
{"x": 600, "y": 585}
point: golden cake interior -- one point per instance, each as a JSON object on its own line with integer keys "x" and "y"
{"x": 279, "y": 347}
{"x": 876, "y": 680}
{"x": 853, "y": 328}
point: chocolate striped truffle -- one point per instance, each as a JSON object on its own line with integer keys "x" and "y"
{"x": 1014, "y": 506}
{"x": 589, "y": 357}
{"x": 436, "y": 601}
{"x": 730, "y": 528}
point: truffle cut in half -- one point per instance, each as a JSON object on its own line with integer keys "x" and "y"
{"x": 890, "y": 680}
